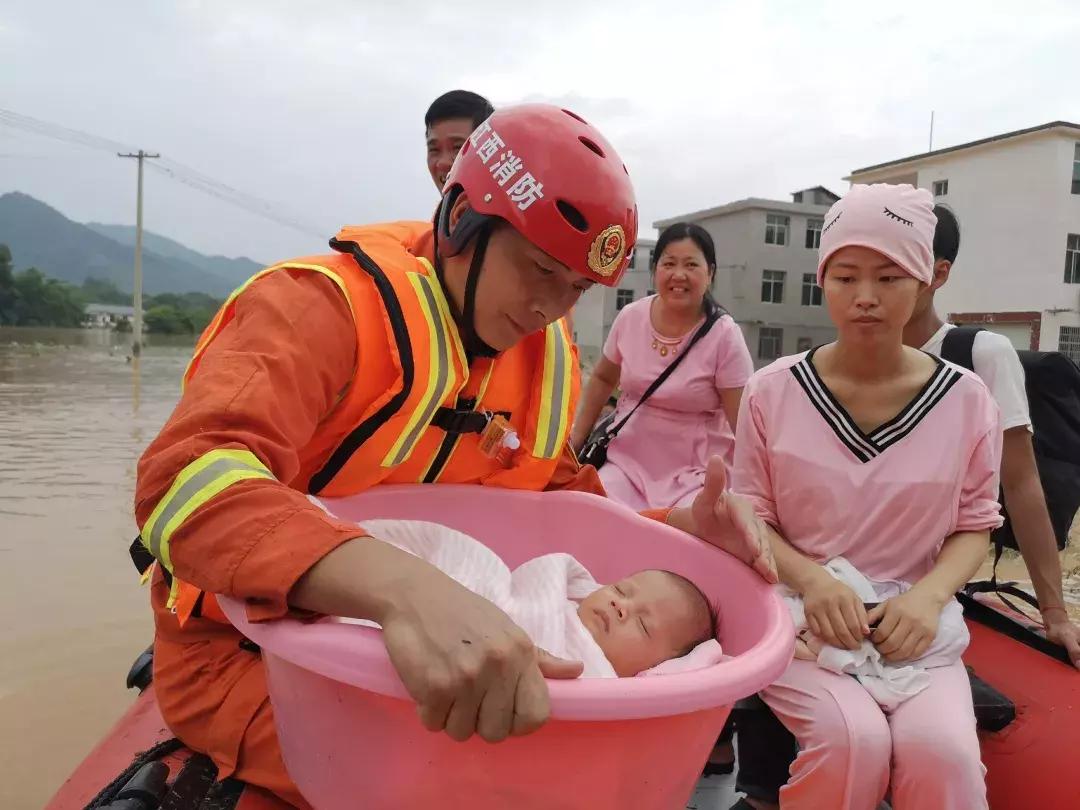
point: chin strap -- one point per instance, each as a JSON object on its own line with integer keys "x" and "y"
{"x": 471, "y": 225}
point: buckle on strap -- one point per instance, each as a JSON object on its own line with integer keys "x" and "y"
{"x": 456, "y": 421}
{"x": 461, "y": 420}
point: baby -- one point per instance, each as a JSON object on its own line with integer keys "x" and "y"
{"x": 648, "y": 618}
{"x": 619, "y": 630}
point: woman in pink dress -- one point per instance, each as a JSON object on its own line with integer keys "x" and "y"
{"x": 888, "y": 457}
{"x": 659, "y": 457}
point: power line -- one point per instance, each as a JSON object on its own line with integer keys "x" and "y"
{"x": 239, "y": 199}
{"x": 169, "y": 168}
{"x": 14, "y": 120}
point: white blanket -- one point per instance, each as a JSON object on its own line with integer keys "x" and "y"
{"x": 889, "y": 684}
{"x": 538, "y": 595}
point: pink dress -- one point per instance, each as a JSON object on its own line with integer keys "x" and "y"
{"x": 886, "y": 501}
{"x": 659, "y": 458}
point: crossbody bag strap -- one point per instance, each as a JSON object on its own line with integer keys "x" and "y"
{"x": 703, "y": 330}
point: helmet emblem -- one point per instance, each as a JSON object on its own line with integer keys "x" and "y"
{"x": 607, "y": 251}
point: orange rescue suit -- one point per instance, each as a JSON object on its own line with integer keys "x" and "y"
{"x": 320, "y": 375}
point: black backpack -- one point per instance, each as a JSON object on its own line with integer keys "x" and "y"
{"x": 1053, "y": 392}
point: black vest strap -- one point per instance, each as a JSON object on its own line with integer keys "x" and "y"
{"x": 456, "y": 421}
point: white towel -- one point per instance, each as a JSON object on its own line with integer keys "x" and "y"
{"x": 540, "y": 595}
{"x": 889, "y": 684}
{"x": 705, "y": 654}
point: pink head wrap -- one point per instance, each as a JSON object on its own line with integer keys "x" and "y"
{"x": 896, "y": 221}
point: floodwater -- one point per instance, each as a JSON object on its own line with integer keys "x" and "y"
{"x": 75, "y": 413}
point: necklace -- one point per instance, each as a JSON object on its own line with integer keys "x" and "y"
{"x": 661, "y": 344}
{"x": 665, "y": 346}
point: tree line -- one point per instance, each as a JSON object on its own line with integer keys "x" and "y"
{"x": 30, "y": 298}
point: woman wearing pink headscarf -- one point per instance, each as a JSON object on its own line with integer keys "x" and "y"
{"x": 888, "y": 457}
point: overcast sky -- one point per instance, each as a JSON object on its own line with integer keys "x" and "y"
{"x": 318, "y": 106}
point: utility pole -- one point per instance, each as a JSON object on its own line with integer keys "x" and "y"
{"x": 136, "y": 327}
{"x": 931, "y": 147}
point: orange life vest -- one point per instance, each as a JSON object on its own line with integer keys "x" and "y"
{"x": 411, "y": 369}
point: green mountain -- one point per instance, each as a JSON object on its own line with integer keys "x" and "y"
{"x": 236, "y": 271}
{"x": 40, "y": 236}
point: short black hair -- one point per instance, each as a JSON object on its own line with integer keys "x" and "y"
{"x": 946, "y": 234}
{"x": 458, "y": 104}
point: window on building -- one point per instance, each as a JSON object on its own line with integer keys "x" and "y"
{"x": 652, "y": 291}
{"x": 811, "y": 292}
{"x": 813, "y": 233}
{"x": 770, "y": 343}
{"x": 1072, "y": 259}
{"x": 772, "y": 286}
{"x": 776, "y": 229}
{"x": 804, "y": 344}
{"x": 652, "y": 251}
{"x": 941, "y": 188}
{"x": 1069, "y": 342}
{"x": 622, "y": 298}
{"x": 1076, "y": 169}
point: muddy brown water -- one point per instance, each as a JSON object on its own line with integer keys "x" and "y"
{"x": 75, "y": 413}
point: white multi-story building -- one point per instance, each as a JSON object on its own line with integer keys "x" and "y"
{"x": 766, "y": 275}
{"x": 1017, "y": 198}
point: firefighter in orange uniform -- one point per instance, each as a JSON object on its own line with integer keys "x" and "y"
{"x": 393, "y": 360}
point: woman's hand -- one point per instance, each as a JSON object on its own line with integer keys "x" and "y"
{"x": 834, "y": 612}
{"x": 728, "y": 522}
{"x": 908, "y": 625}
{"x": 578, "y": 437}
{"x": 603, "y": 381}
{"x": 807, "y": 646}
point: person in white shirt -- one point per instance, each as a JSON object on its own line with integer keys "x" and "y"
{"x": 997, "y": 363}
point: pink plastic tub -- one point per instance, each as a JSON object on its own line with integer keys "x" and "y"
{"x": 349, "y": 732}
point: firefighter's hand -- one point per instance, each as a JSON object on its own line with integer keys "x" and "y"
{"x": 469, "y": 668}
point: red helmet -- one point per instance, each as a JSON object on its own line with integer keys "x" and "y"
{"x": 557, "y": 180}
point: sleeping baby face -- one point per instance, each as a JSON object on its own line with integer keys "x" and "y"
{"x": 645, "y": 619}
